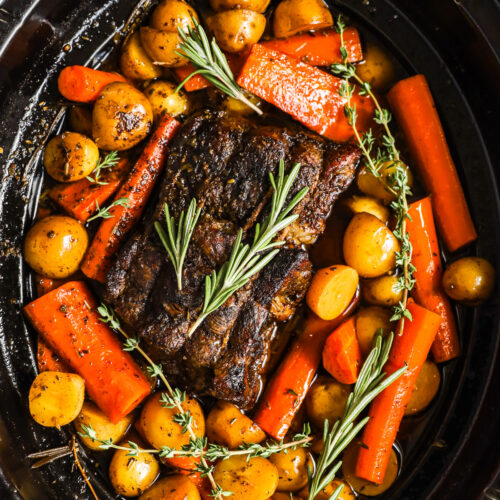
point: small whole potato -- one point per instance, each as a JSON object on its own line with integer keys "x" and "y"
{"x": 377, "y": 68}
{"x": 80, "y": 120}
{"x": 255, "y": 479}
{"x": 55, "y": 246}
{"x": 369, "y": 246}
{"x": 165, "y": 101}
{"x": 469, "y": 280}
{"x": 132, "y": 475}
{"x": 237, "y": 30}
{"x": 426, "y": 388}
{"x": 70, "y": 157}
{"x": 360, "y": 204}
{"x": 176, "y": 487}
{"x": 56, "y": 398}
{"x": 122, "y": 117}
{"x": 292, "y": 469}
{"x": 327, "y": 492}
{"x": 240, "y": 108}
{"x": 369, "y": 320}
{"x": 255, "y": 5}
{"x": 162, "y": 46}
{"x": 173, "y": 14}
{"x": 382, "y": 291}
{"x": 135, "y": 64}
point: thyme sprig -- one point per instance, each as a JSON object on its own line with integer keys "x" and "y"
{"x": 371, "y": 382}
{"x": 105, "y": 212}
{"x": 109, "y": 161}
{"x": 246, "y": 260}
{"x": 210, "y": 61}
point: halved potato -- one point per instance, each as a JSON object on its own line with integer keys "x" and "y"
{"x": 135, "y": 62}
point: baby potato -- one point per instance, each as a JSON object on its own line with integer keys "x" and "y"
{"x": 80, "y": 120}
{"x": 70, "y": 157}
{"x": 326, "y": 400}
{"x": 382, "y": 291}
{"x": 135, "y": 64}
{"x": 369, "y": 246}
{"x": 469, "y": 280}
{"x": 227, "y": 426}
{"x": 369, "y": 205}
{"x": 157, "y": 425}
{"x": 292, "y": 469}
{"x": 175, "y": 487}
{"x": 238, "y": 107}
{"x": 255, "y": 5}
{"x": 369, "y": 320}
{"x": 329, "y": 490}
{"x": 164, "y": 99}
{"x": 131, "y": 476}
{"x": 162, "y": 46}
{"x": 92, "y": 416}
{"x": 426, "y": 388}
{"x": 237, "y": 30}
{"x": 379, "y": 187}
{"x": 55, "y": 246}
{"x": 255, "y": 479}
{"x": 122, "y": 117}
{"x": 171, "y": 14}
{"x": 293, "y": 16}
{"x": 56, "y": 398}
{"x": 284, "y": 496}
{"x": 377, "y": 69}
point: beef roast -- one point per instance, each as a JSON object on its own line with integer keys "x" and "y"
{"x": 224, "y": 162}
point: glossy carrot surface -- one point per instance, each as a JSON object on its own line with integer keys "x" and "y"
{"x": 47, "y": 359}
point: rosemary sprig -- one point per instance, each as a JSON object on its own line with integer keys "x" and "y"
{"x": 210, "y": 61}
{"x": 247, "y": 260}
{"x": 371, "y": 382}
{"x": 176, "y": 240}
{"x": 109, "y": 161}
{"x": 105, "y": 213}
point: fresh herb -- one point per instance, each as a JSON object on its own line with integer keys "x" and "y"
{"x": 176, "y": 240}
{"x": 371, "y": 382}
{"x": 109, "y": 161}
{"x": 247, "y": 260}
{"x": 210, "y": 61}
{"x": 105, "y": 213}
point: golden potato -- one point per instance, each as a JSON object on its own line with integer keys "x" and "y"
{"x": 175, "y": 487}
{"x": 255, "y": 479}
{"x": 362, "y": 486}
{"x": 122, "y": 117}
{"x": 426, "y": 388}
{"x": 293, "y": 16}
{"x": 135, "y": 64}
{"x": 171, "y": 14}
{"x": 292, "y": 469}
{"x": 92, "y": 416}
{"x": 279, "y": 495}
{"x": 469, "y": 280}
{"x": 255, "y": 5}
{"x": 380, "y": 187}
{"x": 165, "y": 101}
{"x": 80, "y": 120}
{"x": 237, "y": 30}
{"x": 55, "y": 246}
{"x": 157, "y": 425}
{"x": 369, "y": 246}
{"x": 162, "y": 47}
{"x": 369, "y": 320}
{"x": 132, "y": 475}
{"x": 377, "y": 68}
{"x": 56, "y": 398}
{"x": 329, "y": 490}
{"x": 227, "y": 426}
{"x": 382, "y": 291}
{"x": 240, "y": 108}
{"x": 326, "y": 400}
{"x": 369, "y": 205}
{"x": 70, "y": 157}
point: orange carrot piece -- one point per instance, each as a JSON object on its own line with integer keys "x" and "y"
{"x": 136, "y": 188}
{"x": 341, "y": 354}
{"x": 428, "y": 291}
{"x": 81, "y": 198}
{"x": 67, "y": 320}
{"x": 82, "y": 84}
{"x": 320, "y": 48}
{"x": 387, "y": 409}
{"x": 415, "y": 111}
{"x": 47, "y": 360}
{"x": 308, "y": 94}
{"x": 45, "y": 285}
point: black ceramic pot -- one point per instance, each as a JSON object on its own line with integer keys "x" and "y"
{"x": 454, "y": 452}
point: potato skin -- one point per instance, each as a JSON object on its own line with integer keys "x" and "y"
{"x": 360, "y": 204}
{"x": 369, "y": 246}
{"x": 292, "y": 469}
{"x": 55, "y": 246}
{"x": 469, "y": 280}
{"x": 130, "y": 476}
{"x": 56, "y": 398}
{"x": 369, "y": 320}
{"x": 80, "y": 120}
{"x": 377, "y": 69}
{"x": 255, "y": 5}
{"x": 426, "y": 388}
{"x": 329, "y": 489}
{"x": 237, "y": 30}
{"x": 135, "y": 63}
{"x": 382, "y": 291}
{"x": 70, "y": 157}
{"x": 255, "y": 479}
{"x": 122, "y": 117}
{"x": 165, "y": 101}
{"x": 227, "y": 426}
{"x": 161, "y": 46}
{"x": 171, "y": 14}
{"x": 175, "y": 487}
